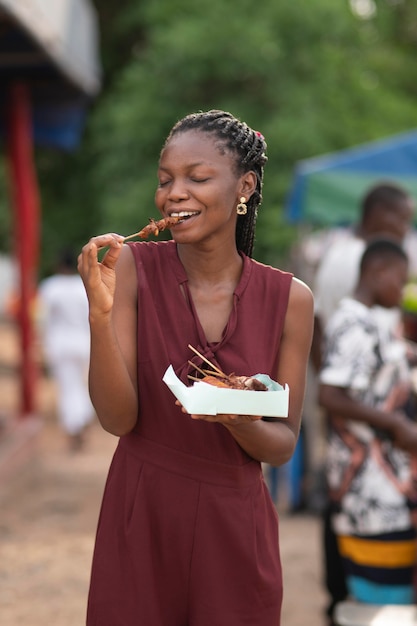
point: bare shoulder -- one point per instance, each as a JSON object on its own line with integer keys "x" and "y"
{"x": 126, "y": 273}
{"x": 300, "y": 294}
{"x": 126, "y": 259}
{"x": 299, "y": 320}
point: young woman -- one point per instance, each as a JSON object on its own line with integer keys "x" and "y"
{"x": 188, "y": 534}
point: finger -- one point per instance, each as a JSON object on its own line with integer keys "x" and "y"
{"x": 110, "y": 258}
{"x": 108, "y": 239}
{"x": 206, "y": 418}
{"x": 178, "y": 403}
{"x": 87, "y": 256}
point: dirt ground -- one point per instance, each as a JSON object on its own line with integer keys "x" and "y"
{"x": 48, "y": 515}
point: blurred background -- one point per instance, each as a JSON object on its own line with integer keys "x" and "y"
{"x": 330, "y": 85}
{"x": 95, "y": 86}
{"x": 314, "y": 76}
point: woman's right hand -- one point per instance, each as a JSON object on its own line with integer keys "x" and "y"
{"x": 99, "y": 278}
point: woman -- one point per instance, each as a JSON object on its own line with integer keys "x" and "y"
{"x": 188, "y": 534}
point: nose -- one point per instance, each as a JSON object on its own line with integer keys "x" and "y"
{"x": 177, "y": 190}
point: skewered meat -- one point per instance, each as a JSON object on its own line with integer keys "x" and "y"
{"x": 216, "y": 377}
{"x": 234, "y": 382}
{"x": 155, "y": 227}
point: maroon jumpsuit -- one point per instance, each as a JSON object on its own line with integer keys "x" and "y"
{"x": 188, "y": 534}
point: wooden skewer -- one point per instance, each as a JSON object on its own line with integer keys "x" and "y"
{"x": 206, "y": 372}
{"x": 198, "y": 380}
{"x": 214, "y": 373}
{"x": 197, "y": 368}
{"x": 131, "y": 236}
{"x": 147, "y": 230}
{"x": 207, "y": 361}
{"x": 155, "y": 227}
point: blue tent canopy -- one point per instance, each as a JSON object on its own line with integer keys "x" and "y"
{"x": 327, "y": 190}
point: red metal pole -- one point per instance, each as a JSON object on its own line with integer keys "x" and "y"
{"x": 26, "y": 205}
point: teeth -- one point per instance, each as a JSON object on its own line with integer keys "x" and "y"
{"x": 183, "y": 214}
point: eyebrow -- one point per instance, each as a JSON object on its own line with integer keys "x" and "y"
{"x": 191, "y": 165}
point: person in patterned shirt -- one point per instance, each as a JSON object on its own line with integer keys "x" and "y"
{"x": 370, "y": 464}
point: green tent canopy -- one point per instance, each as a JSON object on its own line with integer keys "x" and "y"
{"x": 327, "y": 190}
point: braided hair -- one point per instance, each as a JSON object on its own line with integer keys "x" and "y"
{"x": 248, "y": 148}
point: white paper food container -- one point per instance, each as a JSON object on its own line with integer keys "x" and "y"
{"x": 205, "y": 399}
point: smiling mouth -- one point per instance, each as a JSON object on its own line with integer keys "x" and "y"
{"x": 184, "y": 215}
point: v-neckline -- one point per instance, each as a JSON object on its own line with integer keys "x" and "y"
{"x": 183, "y": 285}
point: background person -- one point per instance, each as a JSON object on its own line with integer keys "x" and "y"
{"x": 386, "y": 208}
{"x": 65, "y": 339}
{"x": 365, "y": 388}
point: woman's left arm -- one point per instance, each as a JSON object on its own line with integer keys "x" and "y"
{"x": 274, "y": 442}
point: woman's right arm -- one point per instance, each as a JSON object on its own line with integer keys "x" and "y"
{"x": 112, "y": 294}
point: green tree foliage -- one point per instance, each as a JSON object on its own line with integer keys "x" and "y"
{"x": 311, "y": 75}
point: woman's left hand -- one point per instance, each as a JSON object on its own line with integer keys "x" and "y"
{"x": 223, "y": 418}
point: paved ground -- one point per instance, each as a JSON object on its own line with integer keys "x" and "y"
{"x": 48, "y": 516}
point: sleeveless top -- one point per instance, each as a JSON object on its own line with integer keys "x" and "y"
{"x": 167, "y": 323}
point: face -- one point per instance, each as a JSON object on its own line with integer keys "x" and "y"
{"x": 200, "y": 183}
{"x": 394, "y": 220}
{"x": 391, "y": 282}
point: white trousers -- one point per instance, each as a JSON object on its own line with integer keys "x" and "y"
{"x": 75, "y": 409}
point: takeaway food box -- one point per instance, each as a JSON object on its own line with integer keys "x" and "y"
{"x": 204, "y": 399}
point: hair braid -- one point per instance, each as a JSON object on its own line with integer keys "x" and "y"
{"x": 248, "y": 147}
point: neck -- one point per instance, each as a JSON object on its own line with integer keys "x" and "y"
{"x": 362, "y": 294}
{"x": 210, "y": 265}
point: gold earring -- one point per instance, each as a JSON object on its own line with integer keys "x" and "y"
{"x": 241, "y": 208}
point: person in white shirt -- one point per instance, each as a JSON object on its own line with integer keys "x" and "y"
{"x": 386, "y": 209}
{"x": 65, "y": 339}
